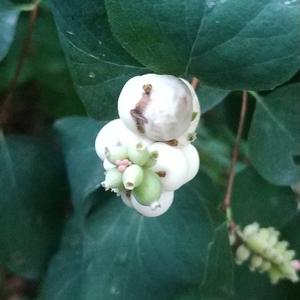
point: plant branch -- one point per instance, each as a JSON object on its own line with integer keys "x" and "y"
{"x": 234, "y": 157}
{"x": 6, "y": 104}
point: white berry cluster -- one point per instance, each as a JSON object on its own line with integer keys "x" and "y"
{"x": 147, "y": 153}
{"x": 266, "y": 253}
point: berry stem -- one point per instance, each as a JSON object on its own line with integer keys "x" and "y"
{"x": 6, "y": 104}
{"x": 234, "y": 158}
{"x": 194, "y": 83}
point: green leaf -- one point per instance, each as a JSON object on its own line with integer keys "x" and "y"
{"x": 228, "y": 44}
{"x": 85, "y": 171}
{"x": 55, "y": 88}
{"x": 18, "y": 4}
{"x": 218, "y": 282}
{"x": 209, "y": 97}
{"x": 118, "y": 254}
{"x": 8, "y": 21}
{"x": 256, "y": 200}
{"x": 275, "y": 136}
{"x": 99, "y": 65}
{"x": 33, "y": 194}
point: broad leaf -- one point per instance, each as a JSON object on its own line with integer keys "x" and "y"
{"x": 218, "y": 282}
{"x": 33, "y": 194}
{"x": 118, "y": 254}
{"x": 55, "y": 87}
{"x": 275, "y": 136}
{"x": 228, "y": 44}
{"x": 99, "y": 65}
{"x": 210, "y": 97}
{"x": 256, "y": 200}
{"x": 85, "y": 171}
{"x": 8, "y": 21}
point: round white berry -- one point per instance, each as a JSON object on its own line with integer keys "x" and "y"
{"x": 158, "y": 106}
{"x": 190, "y": 133}
{"x": 171, "y": 165}
{"x": 159, "y": 208}
{"x": 116, "y": 133}
{"x": 193, "y": 161}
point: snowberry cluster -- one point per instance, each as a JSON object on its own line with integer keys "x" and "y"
{"x": 147, "y": 153}
{"x": 266, "y": 253}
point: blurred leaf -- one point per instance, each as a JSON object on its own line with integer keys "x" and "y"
{"x": 8, "y": 22}
{"x": 256, "y": 200}
{"x": 33, "y": 190}
{"x": 18, "y": 4}
{"x": 275, "y": 136}
{"x": 227, "y": 44}
{"x": 45, "y": 65}
{"x": 210, "y": 97}
{"x": 85, "y": 172}
{"x": 99, "y": 65}
{"x": 215, "y": 147}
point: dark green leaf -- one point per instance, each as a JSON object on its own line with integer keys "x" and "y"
{"x": 275, "y": 136}
{"x": 8, "y": 21}
{"x": 56, "y": 91}
{"x": 256, "y": 200}
{"x": 210, "y": 97}
{"x": 33, "y": 193}
{"x": 218, "y": 282}
{"x": 228, "y": 44}
{"x": 99, "y": 65}
{"x": 85, "y": 172}
{"x": 118, "y": 254}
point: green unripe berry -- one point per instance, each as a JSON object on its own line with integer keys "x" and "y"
{"x": 117, "y": 153}
{"x": 139, "y": 154}
{"x": 152, "y": 159}
{"x": 265, "y": 266}
{"x": 132, "y": 177}
{"x": 251, "y": 229}
{"x": 256, "y": 244}
{"x": 256, "y": 262}
{"x": 113, "y": 179}
{"x": 242, "y": 254}
{"x": 149, "y": 190}
{"x": 275, "y": 275}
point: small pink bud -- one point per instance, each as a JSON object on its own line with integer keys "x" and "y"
{"x": 296, "y": 265}
{"x": 122, "y": 168}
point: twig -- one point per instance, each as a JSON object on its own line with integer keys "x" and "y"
{"x": 195, "y": 82}
{"x": 234, "y": 157}
{"x": 6, "y": 104}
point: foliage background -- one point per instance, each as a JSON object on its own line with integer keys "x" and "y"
{"x": 61, "y": 236}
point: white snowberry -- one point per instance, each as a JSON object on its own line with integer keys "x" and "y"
{"x": 116, "y": 133}
{"x": 160, "y": 207}
{"x": 171, "y": 165}
{"x": 157, "y": 106}
{"x": 190, "y": 134}
{"x": 193, "y": 161}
